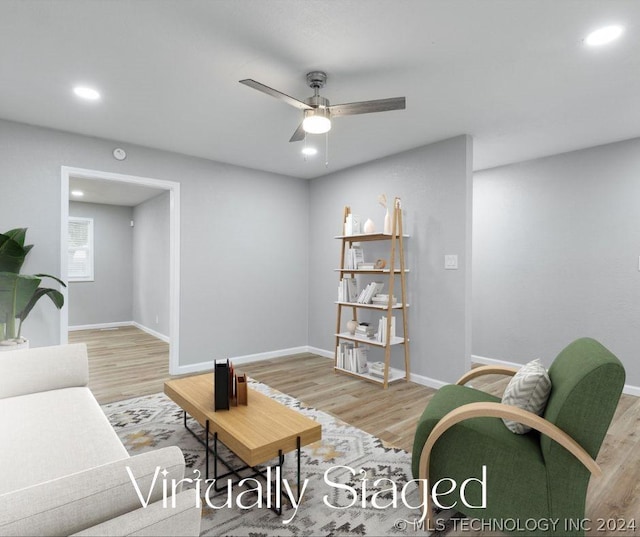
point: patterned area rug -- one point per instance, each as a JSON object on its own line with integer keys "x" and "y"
{"x": 346, "y": 463}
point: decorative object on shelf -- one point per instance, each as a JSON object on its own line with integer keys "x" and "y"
{"x": 369, "y": 226}
{"x": 382, "y": 200}
{"x": 351, "y": 326}
{"x": 380, "y": 263}
{"x": 19, "y": 293}
{"x": 352, "y": 224}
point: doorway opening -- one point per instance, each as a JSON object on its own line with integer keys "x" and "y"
{"x": 112, "y": 182}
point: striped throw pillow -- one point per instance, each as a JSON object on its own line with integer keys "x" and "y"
{"x": 529, "y": 389}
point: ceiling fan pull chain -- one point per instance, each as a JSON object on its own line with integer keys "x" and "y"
{"x": 326, "y": 150}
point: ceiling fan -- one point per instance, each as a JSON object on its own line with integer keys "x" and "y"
{"x": 317, "y": 110}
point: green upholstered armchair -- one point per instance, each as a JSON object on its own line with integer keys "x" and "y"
{"x": 541, "y": 475}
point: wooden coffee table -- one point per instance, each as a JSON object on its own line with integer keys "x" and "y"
{"x": 257, "y": 433}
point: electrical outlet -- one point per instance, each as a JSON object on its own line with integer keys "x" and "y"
{"x": 451, "y": 262}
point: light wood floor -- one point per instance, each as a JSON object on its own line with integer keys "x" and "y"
{"x": 128, "y": 363}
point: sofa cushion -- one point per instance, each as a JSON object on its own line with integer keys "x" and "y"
{"x": 529, "y": 390}
{"x": 44, "y": 368}
{"x": 92, "y": 497}
{"x": 51, "y": 434}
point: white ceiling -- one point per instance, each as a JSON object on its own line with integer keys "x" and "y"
{"x": 513, "y": 74}
{"x": 111, "y": 192}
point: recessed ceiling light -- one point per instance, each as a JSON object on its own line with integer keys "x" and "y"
{"x": 86, "y": 93}
{"x": 77, "y": 193}
{"x": 309, "y": 151}
{"x": 602, "y": 36}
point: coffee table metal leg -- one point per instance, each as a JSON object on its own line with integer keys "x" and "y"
{"x": 298, "y": 449}
{"x": 236, "y": 471}
{"x": 206, "y": 435}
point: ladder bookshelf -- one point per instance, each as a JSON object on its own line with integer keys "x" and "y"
{"x": 395, "y": 269}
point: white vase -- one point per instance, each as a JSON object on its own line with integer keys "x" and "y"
{"x": 351, "y": 326}
{"x": 387, "y": 223}
{"x": 369, "y": 226}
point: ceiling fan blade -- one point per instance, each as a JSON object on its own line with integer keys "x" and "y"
{"x": 367, "y": 107}
{"x": 298, "y": 135}
{"x": 275, "y": 93}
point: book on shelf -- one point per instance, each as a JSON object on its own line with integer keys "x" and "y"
{"x": 376, "y": 369}
{"x": 382, "y": 329}
{"x": 354, "y": 257}
{"x": 364, "y": 330}
{"x": 348, "y": 289}
{"x": 369, "y": 292}
{"x": 366, "y": 266}
{"x": 351, "y": 358}
{"x": 352, "y": 225}
{"x": 383, "y": 300}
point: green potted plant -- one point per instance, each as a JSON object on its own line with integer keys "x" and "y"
{"x": 19, "y": 293}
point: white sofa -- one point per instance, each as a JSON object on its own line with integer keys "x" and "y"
{"x": 63, "y": 469}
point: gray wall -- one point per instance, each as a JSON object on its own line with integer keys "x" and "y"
{"x": 151, "y": 264}
{"x": 107, "y": 299}
{"x": 556, "y": 244}
{"x": 244, "y": 238}
{"x": 434, "y": 183}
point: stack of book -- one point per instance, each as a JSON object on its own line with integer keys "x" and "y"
{"x": 369, "y": 292}
{"x": 383, "y": 300}
{"x": 348, "y": 289}
{"x": 382, "y": 329}
{"x": 366, "y": 266}
{"x": 364, "y": 330}
{"x": 376, "y": 369}
{"x": 352, "y": 358}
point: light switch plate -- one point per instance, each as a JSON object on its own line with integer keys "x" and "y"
{"x": 451, "y": 262}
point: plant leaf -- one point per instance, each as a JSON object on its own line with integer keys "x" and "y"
{"x": 12, "y": 255}
{"x": 18, "y": 235}
{"x": 56, "y": 297}
{"x": 53, "y": 277}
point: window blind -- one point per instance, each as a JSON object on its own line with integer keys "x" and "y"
{"x": 80, "y": 254}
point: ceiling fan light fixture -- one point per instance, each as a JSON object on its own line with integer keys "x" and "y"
{"x": 316, "y": 121}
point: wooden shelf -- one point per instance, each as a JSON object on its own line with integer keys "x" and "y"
{"x": 371, "y": 271}
{"x": 394, "y": 375}
{"x": 394, "y": 340}
{"x": 372, "y": 306}
{"x": 364, "y": 237}
{"x": 395, "y": 267}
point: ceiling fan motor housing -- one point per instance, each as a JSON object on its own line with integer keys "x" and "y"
{"x": 316, "y": 79}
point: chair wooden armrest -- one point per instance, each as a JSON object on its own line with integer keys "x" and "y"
{"x": 499, "y": 410}
{"x": 486, "y": 370}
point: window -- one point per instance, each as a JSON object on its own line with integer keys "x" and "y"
{"x": 80, "y": 255}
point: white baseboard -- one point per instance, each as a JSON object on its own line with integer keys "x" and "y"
{"x": 492, "y": 361}
{"x": 151, "y": 332}
{"x": 100, "y": 326}
{"x": 119, "y": 324}
{"x": 628, "y": 388}
{"x": 238, "y": 360}
{"x": 427, "y": 381}
{"x": 321, "y": 352}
